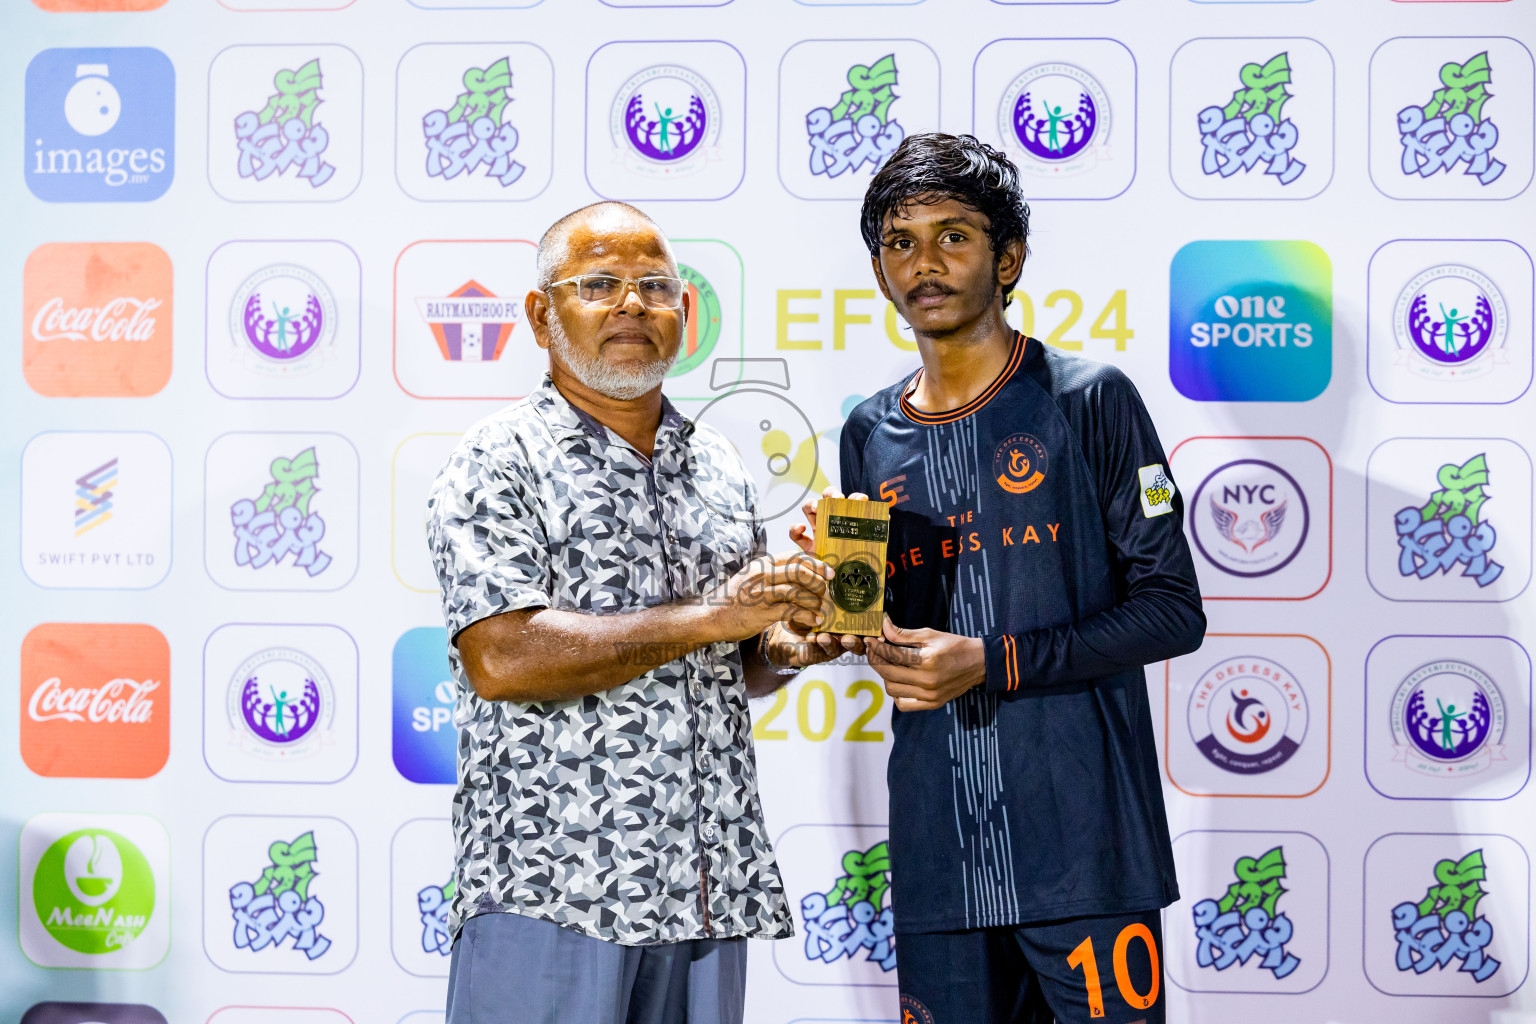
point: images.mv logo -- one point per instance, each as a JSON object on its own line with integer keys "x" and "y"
{"x": 100, "y": 125}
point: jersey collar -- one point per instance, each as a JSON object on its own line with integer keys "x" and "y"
{"x": 949, "y": 416}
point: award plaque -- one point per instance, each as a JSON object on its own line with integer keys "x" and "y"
{"x": 851, "y": 537}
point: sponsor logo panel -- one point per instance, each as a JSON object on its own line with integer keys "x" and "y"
{"x": 1448, "y": 519}
{"x": 100, "y": 125}
{"x": 95, "y": 891}
{"x": 95, "y": 700}
{"x": 96, "y": 510}
{"x": 1447, "y": 717}
{"x": 1446, "y": 915}
{"x": 1064, "y": 110}
{"x": 280, "y": 895}
{"x": 1254, "y": 918}
{"x": 1259, "y": 514}
{"x": 1251, "y": 321}
{"x": 285, "y": 123}
{"x": 1250, "y": 715}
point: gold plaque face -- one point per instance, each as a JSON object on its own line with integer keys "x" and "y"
{"x": 851, "y": 537}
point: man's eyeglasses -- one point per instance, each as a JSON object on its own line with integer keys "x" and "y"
{"x": 607, "y": 290}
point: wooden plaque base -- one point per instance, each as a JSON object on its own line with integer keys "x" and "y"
{"x": 851, "y": 537}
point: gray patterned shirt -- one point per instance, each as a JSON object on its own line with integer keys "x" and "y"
{"x": 605, "y": 813}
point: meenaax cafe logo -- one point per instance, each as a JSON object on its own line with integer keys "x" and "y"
{"x": 96, "y": 319}
{"x": 95, "y": 700}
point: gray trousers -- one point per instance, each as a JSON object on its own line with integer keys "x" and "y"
{"x": 511, "y": 969}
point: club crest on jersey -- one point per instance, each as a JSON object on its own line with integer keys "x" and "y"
{"x": 1019, "y": 464}
{"x": 1157, "y": 491}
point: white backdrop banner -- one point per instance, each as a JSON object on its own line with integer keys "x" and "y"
{"x": 266, "y": 258}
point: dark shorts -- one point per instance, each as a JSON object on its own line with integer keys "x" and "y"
{"x": 511, "y": 969}
{"x": 1082, "y": 970}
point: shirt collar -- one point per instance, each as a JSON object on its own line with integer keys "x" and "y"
{"x": 568, "y": 423}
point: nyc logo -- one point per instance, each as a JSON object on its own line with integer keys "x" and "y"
{"x": 291, "y": 118}
{"x": 1261, "y": 111}
{"x": 100, "y": 125}
{"x": 1451, "y": 118}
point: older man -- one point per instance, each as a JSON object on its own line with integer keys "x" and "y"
{"x": 609, "y": 609}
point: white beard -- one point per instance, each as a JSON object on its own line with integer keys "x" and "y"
{"x": 624, "y": 383}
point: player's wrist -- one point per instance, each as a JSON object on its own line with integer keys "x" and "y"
{"x": 1000, "y": 664}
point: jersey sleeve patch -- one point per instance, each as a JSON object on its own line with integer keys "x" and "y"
{"x": 1157, "y": 491}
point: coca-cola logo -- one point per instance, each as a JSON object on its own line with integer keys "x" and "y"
{"x": 121, "y": 700}
{"x": 121, "y": 319}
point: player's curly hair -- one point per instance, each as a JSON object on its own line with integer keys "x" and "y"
{"x": 934, "y": 166}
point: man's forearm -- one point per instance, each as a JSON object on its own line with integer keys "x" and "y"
{"x": 547, "y": 655}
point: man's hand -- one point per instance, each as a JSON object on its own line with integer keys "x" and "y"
{"x": 925, "y": 669}
{"x": 817, "y": 647}
{"x": 789, "y": 647}
{"x": 769, "y": 589}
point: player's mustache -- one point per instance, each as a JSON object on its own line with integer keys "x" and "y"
{"x": 930, "y": 288}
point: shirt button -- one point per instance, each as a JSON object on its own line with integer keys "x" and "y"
{"x": 709, "y": 832}
{"x": 697, "y": 689}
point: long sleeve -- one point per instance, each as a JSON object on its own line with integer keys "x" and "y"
{"x": 1157, "y": 612}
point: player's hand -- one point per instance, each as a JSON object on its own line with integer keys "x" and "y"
{"x": 832, "y": 645}
{"x": 768, "y": 589}
{"x": 925, "y": 669}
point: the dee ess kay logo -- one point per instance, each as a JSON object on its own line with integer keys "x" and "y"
{"x": 100, "y": 125}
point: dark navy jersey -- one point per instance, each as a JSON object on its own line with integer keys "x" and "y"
{"x": 1040, "y": 517}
